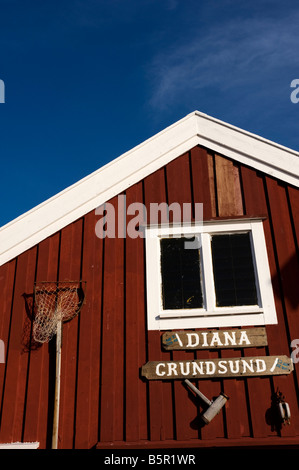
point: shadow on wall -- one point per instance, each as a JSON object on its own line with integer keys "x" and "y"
{"x": 28, "y": 342}
{"x": 286, "y": 281}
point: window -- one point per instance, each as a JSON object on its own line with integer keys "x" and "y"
{"x": 181, "y": 275}
{"x": 210, "y": 275}
{"x": 233, "y": 270}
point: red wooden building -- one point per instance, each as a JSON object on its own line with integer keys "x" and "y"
{"x": 134, "y": 294}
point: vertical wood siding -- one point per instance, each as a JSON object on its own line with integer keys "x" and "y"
{"x": 104, "y": 400}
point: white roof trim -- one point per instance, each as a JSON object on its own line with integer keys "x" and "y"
{"x": 92, "y": 191}
{"x": 20, "y": 445}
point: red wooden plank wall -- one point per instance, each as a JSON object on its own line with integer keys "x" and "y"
{"x": 104, "y": 400}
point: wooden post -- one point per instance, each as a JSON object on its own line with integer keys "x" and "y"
{"x": 57, "y": 387}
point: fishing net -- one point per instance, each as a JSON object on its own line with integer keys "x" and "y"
{"x": 55, "y": 302}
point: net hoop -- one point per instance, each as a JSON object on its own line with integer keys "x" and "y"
{"x": 55, "y": 302}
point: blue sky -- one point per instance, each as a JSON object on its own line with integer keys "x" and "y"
{"x": 87, "y": 80}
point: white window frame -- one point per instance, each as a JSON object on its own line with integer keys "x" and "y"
{"x": 209, "y": 316}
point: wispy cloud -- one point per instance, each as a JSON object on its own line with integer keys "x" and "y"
{"x": 225, "y": 55}
{"x": 172, "y": 4}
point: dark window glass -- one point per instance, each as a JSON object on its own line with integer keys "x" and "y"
{"x": 180, "y": 268}
{"x": 233, "y": 270}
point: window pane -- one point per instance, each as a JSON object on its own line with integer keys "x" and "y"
{"x": 180, "y": 269}
{"x": 233, "y": 270}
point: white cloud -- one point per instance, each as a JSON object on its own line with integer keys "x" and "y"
{"x": 172, "y": 4}
{"x": 225, "y": 55}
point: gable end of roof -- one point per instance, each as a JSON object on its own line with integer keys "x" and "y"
{"x": 92, "y": 191}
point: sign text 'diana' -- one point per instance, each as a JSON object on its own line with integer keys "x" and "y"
{"x": 243, "y": 338}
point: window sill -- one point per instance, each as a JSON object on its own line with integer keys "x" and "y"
{"x": 213, "y": 321}
{"x": 217, "y": 312}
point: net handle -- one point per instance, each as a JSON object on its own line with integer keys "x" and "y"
{"x": 59, "y": 328}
